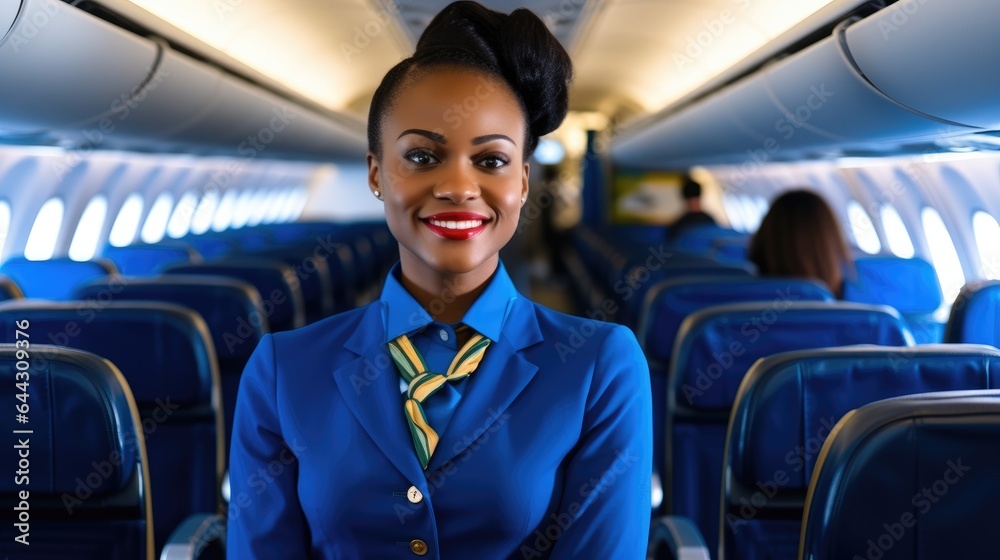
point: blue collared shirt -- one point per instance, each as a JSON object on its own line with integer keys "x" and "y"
{"x": 436, "y": 341}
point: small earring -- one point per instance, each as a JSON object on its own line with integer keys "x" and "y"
{"x": 378, "y": 195}
{"x": 523, "y": 199}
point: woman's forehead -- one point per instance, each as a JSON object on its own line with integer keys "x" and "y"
{"x": 455, "y": 102}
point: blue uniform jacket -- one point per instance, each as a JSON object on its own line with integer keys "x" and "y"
{"x": 547, "y": 455}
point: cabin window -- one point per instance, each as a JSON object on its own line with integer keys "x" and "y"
{"x": 751, "y": 217}
{"x": 895, "y": 232}
{"x": 297, "y": 204}
{"x": 156, "y": 222}
{"x": 127, "y": 222}
{"x": 273, "y": 204}
{"x": 45, "y": 231}
{"x": 258, "y": 207}
{"x": 241, "y": 214}
{"x": 943, "y": 254}
{"x": 202, "y": 219}
{"x": 288, "y": 204}
{"x": 4, "y": 222}
{"x": 180, "y": 219}
{"x": 88, "y": 231}
{"x": 224, "y": 213}
{"x": 734, "y": 212}
{"x": 987, "y": 232}
{"x": 865, "y": 236}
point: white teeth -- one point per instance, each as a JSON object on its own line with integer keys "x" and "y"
{"x": 468, "y": 224}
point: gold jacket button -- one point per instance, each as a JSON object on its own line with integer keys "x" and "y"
{"x": 418, "y": 547}
{"x": 414, "y": 495}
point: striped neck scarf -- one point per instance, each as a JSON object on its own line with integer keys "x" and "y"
{"x": 423, "y": 384}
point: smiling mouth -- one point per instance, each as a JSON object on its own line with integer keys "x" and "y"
{"x": 466, "y": 224}
{"x": 456, "y": 227}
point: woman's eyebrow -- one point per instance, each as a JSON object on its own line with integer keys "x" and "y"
{"x": 438, "y": 138}
{"x": 489, "y": 137}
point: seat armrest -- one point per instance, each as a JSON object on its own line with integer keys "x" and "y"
{"x": 673, "y": 537}
{"x": 199, "y": 537}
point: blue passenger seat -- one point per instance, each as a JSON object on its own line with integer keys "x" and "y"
{"x": 54, "y": 279}
{"x": 907, "y": 479}
{"x": 975, "y": 315}
{"x": 700, "y": 239}
{"x": 786, "y": 408}
{"x": 146, "y": 260}
{"x": 165, "y": 353}
{"x": 715, "y": 347}
{"x": 275, "y": 281}
{"x": 232, "y": 309}
{"x": 909, "y": 285}
{"x": 85, "y": 493}
{"x": 669, "y": 303}
{"x": 9, "y": 289}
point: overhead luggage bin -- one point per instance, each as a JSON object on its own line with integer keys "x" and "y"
{"x": 65, "y": 82}
{"x": 938, "y": 58}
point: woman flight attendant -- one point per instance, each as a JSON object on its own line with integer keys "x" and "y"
{"x": 453, "y": 418}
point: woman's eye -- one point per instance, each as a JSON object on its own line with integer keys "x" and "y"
{"x": 494, "y": 162}
{"x": 421, "y": 157}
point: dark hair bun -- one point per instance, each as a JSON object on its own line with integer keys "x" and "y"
{"x": 517, "y": 47}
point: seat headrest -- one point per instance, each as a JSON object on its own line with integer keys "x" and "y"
{"x": 84, "y": 439}
{"x": 788, "y": 403}
{"x": 913, "y": 475}
{"x": 975, "y": 315}
{"x": 716, "y": 346}
{"x": 275, "y": 281}
{"x": 231, "y": 308}
{"x": 164, "y": 350}
{"x": 699, "y": 239}
{"x": 668, "y": 303}
{"x": 145, "y": 260}
{"x": 9, "y": 289}
{"x": 909, "y": 285}
{"x": 55, "y": 278}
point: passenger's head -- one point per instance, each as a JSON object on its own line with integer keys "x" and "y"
{"x": 690, "y": 189}
{"x": 691, "y": 192}
{"x": 450, "y": 130}
{"x": 800, "y": 237}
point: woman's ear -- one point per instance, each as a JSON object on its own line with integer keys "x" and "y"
{"x": 374, "y": 177}
{"x": 524, "y": 182}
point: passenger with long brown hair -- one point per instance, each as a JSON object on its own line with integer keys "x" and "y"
{"x": 800, "y": 237}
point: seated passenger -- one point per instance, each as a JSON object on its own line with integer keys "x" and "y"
{"x": 693, "y": 215}
{"x": 800, "y": 237}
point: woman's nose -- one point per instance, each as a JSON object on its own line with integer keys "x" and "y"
{"x": 457, "y": 185}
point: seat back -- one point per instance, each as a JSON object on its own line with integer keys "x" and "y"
{"x": 146, "y": 260}
{"x": 313, "y": 272}
{"x": 84, "y": 491}
{"x": 908, "y": 478}
{"x": 9, "y": 289}
{"x": 909, "y": 285}
{"x": 715, "y": 347}
{"x": 670, "y": 302}
{"x": 54, "y": 279}
{"x": 788, "y": 404}
{"x": 975, "y": 315}
{"x": 275, "y": 281}
{"x": 165, "y": 353}
{"x": 231, "y": 308}
{"x": 642, "y": 278}
{"x": 730, "y": 249}
{"x": 699, "y": 239}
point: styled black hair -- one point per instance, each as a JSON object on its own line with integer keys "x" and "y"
{"x": 516, "y": 48}
{"x": 690, "y": 189}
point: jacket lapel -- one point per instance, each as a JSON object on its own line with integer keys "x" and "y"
{"x": 370, "y": 386}
{"x": 498, "y": 380}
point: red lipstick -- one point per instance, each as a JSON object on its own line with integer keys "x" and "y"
{"x": 457, "y": 226}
